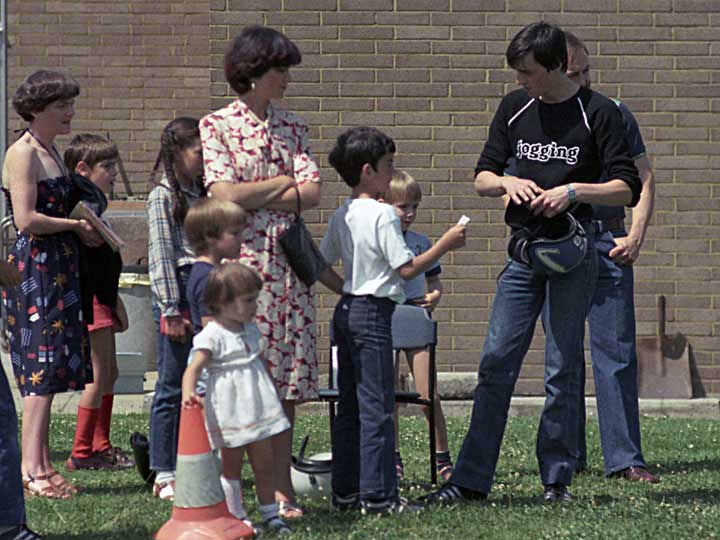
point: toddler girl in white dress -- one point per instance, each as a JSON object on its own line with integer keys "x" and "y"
{"x": 242, "y": 409}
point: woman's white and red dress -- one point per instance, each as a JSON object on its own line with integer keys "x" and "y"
{"x": 239, "y": 147}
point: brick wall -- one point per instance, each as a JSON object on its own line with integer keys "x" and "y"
{"x": 139, "y": 64}
{"x": 430, "y": 73}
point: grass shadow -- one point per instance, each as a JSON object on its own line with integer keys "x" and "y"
{"x": 711, "y": 496}
{"x": 701, "y": 465}
{"x": 121, "y": 534}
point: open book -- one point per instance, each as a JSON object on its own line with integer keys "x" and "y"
{"x": 83, "y": 211}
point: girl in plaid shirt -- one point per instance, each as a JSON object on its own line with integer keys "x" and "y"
{"x": 170, "y": 258}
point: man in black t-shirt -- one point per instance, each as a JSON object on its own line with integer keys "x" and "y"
{"x": 562, "y": 137}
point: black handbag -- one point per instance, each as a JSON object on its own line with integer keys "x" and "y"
{"x": 303, "y": 255}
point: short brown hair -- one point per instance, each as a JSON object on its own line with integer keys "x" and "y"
{"x": 228, "y": 281}
{"x": 208, "y": 218}
{"x": 403, "y": 187}
{"x": 40, "y": 89}
{"x": 254, "y": 52}
{"x": 574, "y": 42}
{"x": 91, "y": 149}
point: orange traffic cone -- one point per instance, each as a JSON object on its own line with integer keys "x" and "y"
{"x": 199, "y": 510}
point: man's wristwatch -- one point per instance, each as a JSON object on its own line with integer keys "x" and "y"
{"x": 572, "y": 195}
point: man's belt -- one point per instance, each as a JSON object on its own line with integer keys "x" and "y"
{"x": 612, "y": 224}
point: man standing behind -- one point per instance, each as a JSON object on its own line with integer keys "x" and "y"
{"x": 612, "y": 311}
{"x": 562, "y": 137}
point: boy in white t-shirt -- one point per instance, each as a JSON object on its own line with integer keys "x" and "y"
{"x": 365, "y": 234}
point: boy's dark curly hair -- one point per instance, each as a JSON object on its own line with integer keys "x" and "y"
{"x": 356, "y": 147}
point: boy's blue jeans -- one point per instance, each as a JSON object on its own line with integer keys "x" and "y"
{"x": 172, "y": 358}
{"x": 522, "y": 295}
{"x": 12, "y": 504}
{"x": 614, "y": 362}
{"x": 363, "y": 438}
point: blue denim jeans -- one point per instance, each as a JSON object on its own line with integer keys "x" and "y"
{"x": 12, "y": 504}
{"x": 522, "y": 295}
{"x": 172, "y": 358}
{"x": 614, "y": 362}
{"x": 363, "y": 438}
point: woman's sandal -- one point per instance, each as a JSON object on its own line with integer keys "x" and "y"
{"x": 290, "y": 510}
{"x": 164, "y": 491}
{"x": 49, "y": 491}
{"x": 62, "y": 485}
{"x": 445, "y": 470}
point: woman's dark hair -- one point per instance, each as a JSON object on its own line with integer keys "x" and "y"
{"x": 356, "y": 147}
{"x": 545, "y": 41}
{"x": 40, "y": 89}
{"x": 181, "y": 133}
{"x": 254, "y": 52}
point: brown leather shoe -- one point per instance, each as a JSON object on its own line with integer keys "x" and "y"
{"x": 94, "y": 463}
{"x": 639, "y": 474}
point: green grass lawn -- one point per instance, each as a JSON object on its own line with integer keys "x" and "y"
{"x": 685, "y": 505}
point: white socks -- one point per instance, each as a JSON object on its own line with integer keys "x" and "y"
{"x": 233, "y": 497}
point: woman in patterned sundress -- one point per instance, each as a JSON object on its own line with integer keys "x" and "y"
{"x": 256, "y": 154}
{"x": 48, "y": 340}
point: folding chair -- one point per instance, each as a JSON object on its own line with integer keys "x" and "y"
{"x": 412, "y": 328}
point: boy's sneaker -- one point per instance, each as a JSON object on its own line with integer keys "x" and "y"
{"x": 398, "y": 505}
{"x": 451, "y": 494}
{"x": 344, "y": 504}
{"x": 275, "y": 525}
{"x": 554, "y": 493}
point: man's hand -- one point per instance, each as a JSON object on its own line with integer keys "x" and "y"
{"x": 551, "y": 202}
{"x": 521, "y": 191}
{"x": 626, "y": 250}
{"x": 175, "y": 328}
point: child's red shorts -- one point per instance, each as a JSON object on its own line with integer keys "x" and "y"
{"x": 102, "y": 316}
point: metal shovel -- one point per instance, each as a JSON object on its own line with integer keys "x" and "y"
{"x": 664, "y": 363}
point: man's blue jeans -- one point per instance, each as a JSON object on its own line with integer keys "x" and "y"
{"x": 521, "y": 296}
{"x": 172, "y": 359}
{"x": 363, "y": 438}
{"x": 614, "y": 362}
{"x": 12, "y": 504}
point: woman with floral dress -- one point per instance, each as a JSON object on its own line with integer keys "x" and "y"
{"x": 48, "y": 340}
{"x": 257, "y": 155}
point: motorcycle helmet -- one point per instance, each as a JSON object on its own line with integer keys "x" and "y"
{"x": 311, "y": 477}
{"x": 552, "y": 245}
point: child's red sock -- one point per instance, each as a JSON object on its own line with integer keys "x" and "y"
{"x": 101, "y": 437}
{"x": 86, "y": 420}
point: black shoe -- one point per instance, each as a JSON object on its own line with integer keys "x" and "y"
{"x": 345, "y": 504}
{"x": 557, "y": 493}
{"x": 21, "y": 532}
{"x": 387, "y": 507}
{"x": 452, "y": 494}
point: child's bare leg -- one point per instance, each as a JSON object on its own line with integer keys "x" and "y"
{"x": 399, "y": 468}
{"x": 282, "y": 450}
{"x": 263, "y": 464}
{"x": 261, "y": 459}
{"x": 231, "y": 480}
{"x": 397, "y": 405}
{"x": 419, "y": 361}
